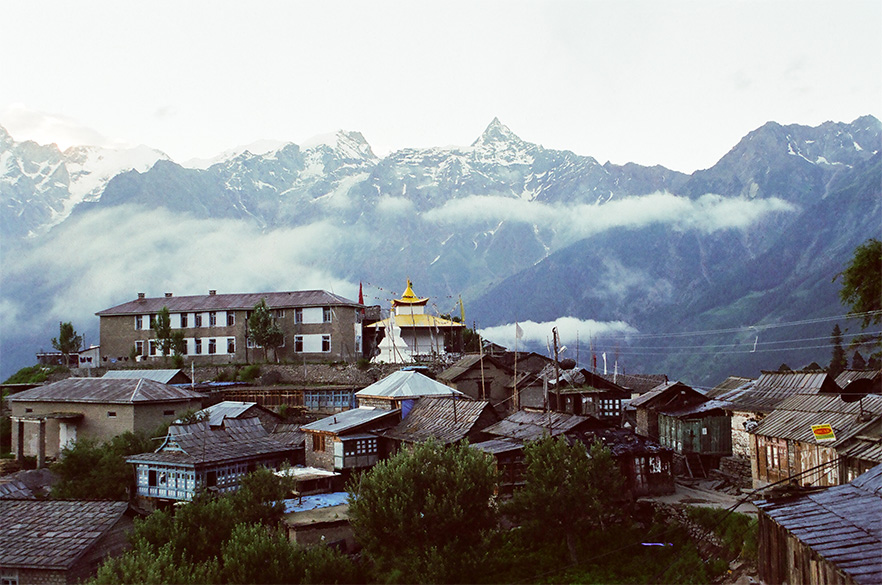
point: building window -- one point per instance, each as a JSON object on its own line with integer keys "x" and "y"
{"x": 212, "y": 346}
{"x": 184, "y": 348}
{"x": 197, "y": 349}
{"x": 139, "y": 347}
{"x": 29, "y": 410}
{"x": 152, "y": 347}
{"x": 298, "y": 316}
{"x": 152, "y": 321}
{"x": 9, "y": 577}
{"x": 183, "y": 320}
{"x": 139, "y": 322}
{"x": 326, "y": 343}
{"x": 231, "y": 318}
{"x": 168, "y": 413}
{"x": 279, "y": 313}
{"x": 231, "y": 345}
{"x": 212, "y": 319}
{"x": 326, "y": 314}
{"x": 250, "y": 344}
{"x": 773, "y": 456}
{"x": 197, "y": 319}
{"x": 361, "y": 447}
{"x": 298, "y": 343}
{"x": 318, "y": 442}
{"x": 111, "y": 414}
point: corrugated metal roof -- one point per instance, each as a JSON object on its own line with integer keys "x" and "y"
{"x": 226, "y": 409}
{"x": 446, "y": 419}
{"x": 164, "y": 376}
{"x": 349, "y": 419}
{"x": 727, "y": 385}
{"x": 794, "y": 417}
{"x": 407, "y": 384}
{"x": 637, "y": 382}
{"x": 842, "y": 524}
{"x": 106, "y": 390}
{"x": 528, "y": 426}
{"x": 767, "y": 392}
{"x": 226, "y": 302}
{"x": 52, "y": 534}
{"x": 657, "y": 392}
{"x": 866, "y": 448}
{"x": 849, "y": 376}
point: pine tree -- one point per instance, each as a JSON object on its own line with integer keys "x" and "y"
{"x": 858, "y": 362}
{"x": 838, "y": 362}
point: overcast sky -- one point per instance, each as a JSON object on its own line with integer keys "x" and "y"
{"x": 657, "y": 82}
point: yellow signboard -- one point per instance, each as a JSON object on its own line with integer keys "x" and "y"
{"x": 823, "y": 433}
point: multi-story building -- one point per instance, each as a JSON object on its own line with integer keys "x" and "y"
{"x": 317, "y": 326}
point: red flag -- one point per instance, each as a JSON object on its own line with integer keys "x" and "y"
{"x": 360, "y": 297}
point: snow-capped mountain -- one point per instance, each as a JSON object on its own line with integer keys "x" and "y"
{"x": 519, "y": 230}
{"x": 40, "y": 185}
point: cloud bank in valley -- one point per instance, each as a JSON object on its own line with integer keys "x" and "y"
{"x": 570, "y": 330}
{"x": 707, "y": 214}
{"x": 104, "y": 258}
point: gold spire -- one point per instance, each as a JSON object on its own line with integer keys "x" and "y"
{"x": 409, "y": 298}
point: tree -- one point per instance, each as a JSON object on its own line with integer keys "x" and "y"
{"x": 67, "y": 342}
{"x": 857, "y": 361}
{"x": 424, "y": 515}
{"x": 838, "y": 362}
{"x": 567, "y": 490}
{"x": 862, "y": 283}
{"x": 262, "y": 329}
{"x": 161, "y": 325}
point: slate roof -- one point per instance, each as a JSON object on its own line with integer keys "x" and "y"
{"x": 842, "y": 524}
{"x": 52, "y": 534}
{"x": 446, "y": 419}
{"x": 500, "y": 445}
{"x": 349, "y": 420}
{"x": 407, "y": 384}
{"x": 164, "y": 376}
{"x": 226, "y": 302}
{"x": 794, "y": 417}
{"x": 527, "y": 425}
{"x": 106, "y": 390}
{"x": 200, "y": 444}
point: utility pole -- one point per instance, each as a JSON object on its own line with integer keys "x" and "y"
{"x": 554, "y": 340}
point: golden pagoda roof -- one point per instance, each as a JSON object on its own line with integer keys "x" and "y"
{"x": 409, "y": 298}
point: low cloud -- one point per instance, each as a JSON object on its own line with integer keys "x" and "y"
{"x": 388, "y": 205}
{"x": 708, "y": 213}
{"x": 570, "y": 331}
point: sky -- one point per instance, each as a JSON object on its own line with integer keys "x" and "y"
{"x": 651, "y": 82}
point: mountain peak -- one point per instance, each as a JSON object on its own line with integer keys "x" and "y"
{"x": 351, "y": 144}
{"x": 496, "y": 131}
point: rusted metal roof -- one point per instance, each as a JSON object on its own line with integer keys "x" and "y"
{"x": 106, "y": 391}
{"x": 794, "y": 417}
{"x": 228, "y": 302}
{"x": 528, "y": 425}
{"x": 446, "y": 419}
{"x": 52, "y": 534}
{"x": 841, "y": 524}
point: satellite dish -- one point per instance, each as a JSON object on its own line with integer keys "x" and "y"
{"x": 568, "y": 364}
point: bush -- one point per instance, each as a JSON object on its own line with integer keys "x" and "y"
{"x": 249, "y": 373}
{"x": 35, "y": 374}
{"x": 737, "y": 531}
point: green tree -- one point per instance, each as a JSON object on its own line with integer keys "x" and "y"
{"x": 838, "y": 362}
{"x": 161, "y": 326}
{"x": 862, "y": 282}
{"x": 857, "y": 361}
{"x": 424, "y": 515}
{"x": 567, "y": 491}
{"x": 263, "y": 330}
{"x": 67, "y": 342}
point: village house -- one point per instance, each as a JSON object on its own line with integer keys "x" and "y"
{"x": 784, "y": 444}
{"x": 410, "y": 334}
{"x": 225, "y": 443}
{"x": 482, "y": 377}
{"x": 400, "y": 389}
{"x": 316, "y": 325}
{"x": 830, "y": 536}
{"x": 635, "y": 384}
{"x": 686, "y": 421}
{"x": 583, "y": 392}
{"x": 508, "y": 456}
{"x": 55, "y": 541}
{"x": 320, "y": 520}
{"x": 48, "y": 418}
{"x": 444, "y": 419}
{"x": 350, "y": 440}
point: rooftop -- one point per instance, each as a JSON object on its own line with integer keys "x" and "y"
{"x": 446, "y": 419}
{"x": 226, "y": 302}
{"x": 407, "y": 384}
{"x": 350, "y": 420}
{"x": 106, "y": 390}
{"x": 526, "y": 425}
{"x": 163, "y": 376}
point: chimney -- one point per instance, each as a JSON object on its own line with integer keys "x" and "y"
{"x": 168, "y": 295}
{"x": 141, "y": 296}
{"x": 212, "y": 292}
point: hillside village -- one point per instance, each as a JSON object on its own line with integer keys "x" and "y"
{"x": 343, "y": 389}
